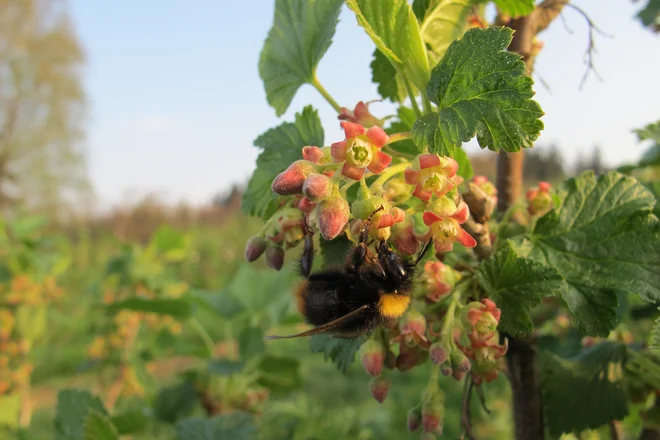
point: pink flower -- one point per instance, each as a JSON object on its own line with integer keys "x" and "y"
{"x": 360, "y": 115}
{"x": 431, "y": 174}
{"x": 438, "y": 280}
{"x": 361, "y": 150}
{"x": 444, "y": 218}
{"x": 486, "y": 361}
{"x": 413, "y": 328}
{"x": 483, "y": 318}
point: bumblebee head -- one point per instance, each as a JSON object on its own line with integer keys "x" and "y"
{"x": 393, "y": 263}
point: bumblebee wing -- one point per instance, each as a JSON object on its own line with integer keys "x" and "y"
{"x": 325, "y": 327}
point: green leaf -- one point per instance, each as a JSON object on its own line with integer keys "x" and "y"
{"x": 130, "y": 422}
{"x": 464, "y": 165}
{"x": 232, "y": 426}
{"x": 441, "y": 22}
{"x": 71, "y": 413}
{"x": 99, "y": 427}
{"x": 481, "y": 89}
{"x": 406, "y": 120}
{"x": 31, "y": 322}
{"x": 177, "y": 308}
{"x": 649, "y": 132}
{"x": 10, "y": 409}
{"x": 280, "y": 146}
{"x": 301, "y": 34}
{"x": 172, "y": 403}
{"x": 584, "y": 392}
{"x": 279, "y": 374}
{"x": 224, "y": 367}
{"x": 383, "y": 73}
{"x": 223, "y": 303}
{"x": 392, "y": 26}
{"x": 650, "y": 15}
{"x": 654, "y": 342}
{"x": 251, "y": 343}
{"x": 515, "y": 8}
{"x": 334, "y": 252}
{"x": 605, "y": 242}
{"x": 341, "y": 351}
{"x": 517, "y": 285}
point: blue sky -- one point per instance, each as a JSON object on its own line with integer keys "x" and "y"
{"x": 176, "y": 99}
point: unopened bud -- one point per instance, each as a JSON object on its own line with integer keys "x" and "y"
{"x": 306, "y": 205}
{"x": 379, "y": 387}
{"x": 403, "y": 239}
{"x": 433, "y": 410}
{"x": 460, "y": 362}
{"x": 275, "y": 257}
{"x": 332, "y": 216}
{"x": 438, "y": 353}
{"x": 446, "y": 369}
{"x": 254, "y": 248}
{"x": 372, "y": 356}
{"x": 291, "y": 180}
{"x": 414, "y": 418}
{"x": 317, "y": 187}
{"x": 413, "y": 322}
{"x": 397, "y": 191}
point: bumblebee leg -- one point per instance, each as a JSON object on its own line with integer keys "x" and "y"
{"x": 307, "y": 258}
{"x": 426, "y": 247}
{"x": 364, "y": 232}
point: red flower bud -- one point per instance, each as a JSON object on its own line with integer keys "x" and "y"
{"x": 404, "y": 239}
{"x": 372, "y": 356}
{"x": 332, "y": 216}
{"x": 409, "y": 357}
{"x": 291, "y": 180}
{"x": 438, "y": 353}
{"x": 254, "y": 248}
{"x": 539, "y": 199}
{"x": 317, "y": 187}
{"x": 459, "y": 362}
{"x": 275, "y": 257}
{"x": 412, "y": 327}
{"x": 446, "y": 369}
{"x": 306, "y": 205}
{"x": 414, "y": 418}
{"x": 379, "y": 386}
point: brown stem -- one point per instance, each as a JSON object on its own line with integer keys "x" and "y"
{"x": 466, "y": 419}
{"x": 481, "y": 233}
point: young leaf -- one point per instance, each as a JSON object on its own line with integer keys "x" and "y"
{"x": 392, "y": 25}
{"x": 224, "y": 367}
{"x": 605, "y": 242}
{"x": 406, "y": 120}
{"x": 515, "y": 8}
{"x": 517, "y": 285}
{"x": 649, "y": 132}
{"x": 130, "y": 422}
{"x": 650, "y": 15}
{"x": 71, "y": 413}
{"x": 441, "y": 22}
{"x": 481, "y": 89}
{"x": 301, "y": 34}
{"x": 279, "y": 374}
{"x": 177, "y": 308}
{"x": 341, "y": 351}
{"x": 172, "y": 403}
{"x": 280, "y": 147}
{"x": 232, "y": 426}
{"x": 388, "y": 80}
{"x": 99, "y": 427}
{"x": 584, "y": 392}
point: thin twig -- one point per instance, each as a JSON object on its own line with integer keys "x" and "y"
{"x": 565, "y": 23}
{"x": 466, "y": 421}
{"x": 591, "y": 47}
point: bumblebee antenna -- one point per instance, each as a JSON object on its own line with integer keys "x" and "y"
{"x": 324, "y": 327}
{"x": 426, "y": 247}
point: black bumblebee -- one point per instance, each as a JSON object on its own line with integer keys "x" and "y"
{"x": 371, "y": 288}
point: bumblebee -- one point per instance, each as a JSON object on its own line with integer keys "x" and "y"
{"x": 372, "y": 288}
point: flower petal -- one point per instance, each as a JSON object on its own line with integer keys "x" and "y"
{"x": 306, "y": 205}
{"x": 411, "y": 176}
{"x": 462, "y": 213}
{"x": 313, "y": 154}
{"x": 379, "y": 162}
{"x": 399, "y": 214}
{"x": 465, "y": 239}
{"x": 352, "y": 172}
{"x": 351, "y": 129}
{"x": 346, "y": 115}
{"x": 430, "y": 218}
{"x": 338, "y": 151}
{"x": 386, "y": 220}
{"x": 443, "y": 245}
{"x": 422, "y": 195}
{"x": 531, "y": 193}
{"x": 429, "y": 160}
{"x": 544, "y": 187}
{"x": 451, "y": 168}
{"x": 377, "y": 136}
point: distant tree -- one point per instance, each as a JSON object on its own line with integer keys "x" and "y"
{"x": 544, "y": 164}
{"x": 597, "y": 161}
{"x": 42, "y": 107}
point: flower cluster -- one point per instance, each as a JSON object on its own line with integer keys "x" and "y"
{"x": 539, "y": 199}
{"x": 482, "y": 319}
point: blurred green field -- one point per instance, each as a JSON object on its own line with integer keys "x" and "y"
{"x": 322, "y": 402}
